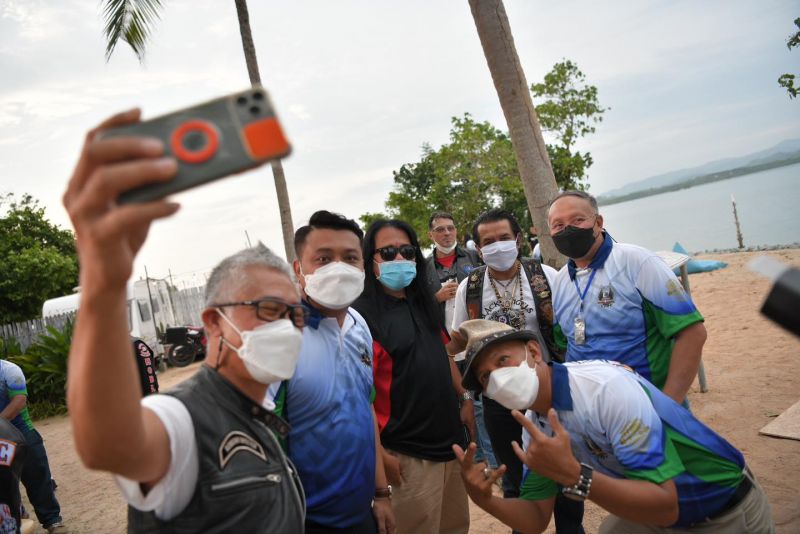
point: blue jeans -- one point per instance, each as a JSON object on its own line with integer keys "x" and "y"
{"x": 38, "y": 482}
{"x": 484, "y": 452}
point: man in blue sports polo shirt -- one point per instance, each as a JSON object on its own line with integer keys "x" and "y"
{"x": 328, "y": 402}
{"x": 615, "y": 301}
{"x": 597, "y": 430}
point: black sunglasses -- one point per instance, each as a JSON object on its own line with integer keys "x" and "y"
{"x": 390, "y": 253}
{"x": 271, "y": 309}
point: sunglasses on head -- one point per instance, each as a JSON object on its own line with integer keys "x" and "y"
{"x": 390, "y": 253}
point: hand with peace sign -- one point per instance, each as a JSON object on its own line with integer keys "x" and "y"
{"x": 548, "y": 456}
{"x": 478, "y": 478}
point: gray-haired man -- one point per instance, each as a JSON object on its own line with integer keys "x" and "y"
{"x": 202, "y": 458}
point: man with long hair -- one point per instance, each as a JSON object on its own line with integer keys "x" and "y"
{"x": 417, "y": 386}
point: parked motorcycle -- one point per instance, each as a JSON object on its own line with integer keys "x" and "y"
{"x": 184, "y": 344}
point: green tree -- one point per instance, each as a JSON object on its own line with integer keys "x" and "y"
{"x": 568, "y": 109}
{"x": 787, "y": 80}
{"x": 475, "y": 171}
{"x": 131, "y": 20}
{"x": 39, "y": 259}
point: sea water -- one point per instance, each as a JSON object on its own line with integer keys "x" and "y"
{"x": 701, "y": 218}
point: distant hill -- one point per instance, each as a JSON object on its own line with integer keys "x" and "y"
{"x": 784, "y": 153}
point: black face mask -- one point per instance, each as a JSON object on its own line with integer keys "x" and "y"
{"x": 574, "y": 242}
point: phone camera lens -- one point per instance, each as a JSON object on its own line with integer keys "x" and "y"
{"x": 242, "y": 100}
{"x": 258, "y": 96}
{"x": 255, "y": 110}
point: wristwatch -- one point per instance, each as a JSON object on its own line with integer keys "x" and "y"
{"x": 383, "y": 493}
{"x": 580, "y": 490}
{"x": 467, "y": 395}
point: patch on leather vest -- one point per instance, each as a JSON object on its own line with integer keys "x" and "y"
{"x": 237, "y": 441}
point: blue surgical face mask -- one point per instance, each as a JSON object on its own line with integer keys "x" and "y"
{"x": 397, "y": 274}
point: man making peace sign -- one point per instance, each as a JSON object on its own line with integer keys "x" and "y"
{"x": 609, "y": 436}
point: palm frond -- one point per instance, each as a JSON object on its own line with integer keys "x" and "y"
{"x": 130, "y": 20}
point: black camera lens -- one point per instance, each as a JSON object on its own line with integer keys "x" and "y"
{"x": 258, "y": 95}
{"x": 242, "y": 100}
{"x": 255, "y": 110}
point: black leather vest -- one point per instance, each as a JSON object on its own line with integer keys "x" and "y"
{"x": 245, "y": 482}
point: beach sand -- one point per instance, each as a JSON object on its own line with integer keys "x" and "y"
{"x": 753, "y": 371}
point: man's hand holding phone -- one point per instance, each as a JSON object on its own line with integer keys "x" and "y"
{"x": 109, "y": 236}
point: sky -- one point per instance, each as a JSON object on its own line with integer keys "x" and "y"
{"x": 360, "y": 86}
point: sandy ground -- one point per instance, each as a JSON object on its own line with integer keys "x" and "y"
{"x": 753, "y": 371}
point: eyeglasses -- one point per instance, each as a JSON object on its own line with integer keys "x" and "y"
{"x": 271, "y": 309}
{"x": 390, "y": 253}
{"x": 443, "y": 229}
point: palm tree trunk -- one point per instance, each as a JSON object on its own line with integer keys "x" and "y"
{"x": 535, "y": 169}
{"x": 282, "y": 191}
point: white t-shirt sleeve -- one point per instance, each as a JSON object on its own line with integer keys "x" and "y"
{"x": 171, "y": 494}
{"x": 460, "y": 309}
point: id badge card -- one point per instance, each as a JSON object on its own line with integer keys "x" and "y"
{"x": 580, "y": 330}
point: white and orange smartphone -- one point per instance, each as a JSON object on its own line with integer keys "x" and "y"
{"x": 210, "y": 141}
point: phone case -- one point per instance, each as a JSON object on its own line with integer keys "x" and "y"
{"x": 210, "y": 141}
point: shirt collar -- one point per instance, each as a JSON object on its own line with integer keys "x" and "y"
{"x": 599, "y": 257}
{"x": 561, "y": 396}
{"x": 314, "y": 316}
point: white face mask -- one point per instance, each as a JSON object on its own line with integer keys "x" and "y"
{"x": 514, "y": 387}
{"x": 500, "y": 255}
{"x": 334, "y": 286}
{"x": 445, "y": 250}
{"x": 269, "y": 351}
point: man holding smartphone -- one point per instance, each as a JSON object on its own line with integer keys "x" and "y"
{"x": 204, "y": 457}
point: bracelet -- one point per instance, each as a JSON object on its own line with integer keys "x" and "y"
{"x": 466, "y": 396}
{"x": 383, "y": 493}
{"x": 580, "y": 490}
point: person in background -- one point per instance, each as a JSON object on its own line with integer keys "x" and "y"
{"x": 597, "y": 430}
{"x": 417, "y": 387}
{"x": 448, "y": 265}
{"x": 13, "y": 451}
{"x": 146, "y": 365}
{"x": 36, "y": 475}
{"x": 616, "y": 301}
{"x": 328, "y": 401}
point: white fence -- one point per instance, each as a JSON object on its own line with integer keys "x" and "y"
{"x": 27, "y": 332}
{"x": 187, "y": 304}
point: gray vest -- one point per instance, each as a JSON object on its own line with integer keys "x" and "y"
{"x": 245, "y": 482}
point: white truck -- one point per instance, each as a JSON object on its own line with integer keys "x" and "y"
{"x": 149, "y": 312}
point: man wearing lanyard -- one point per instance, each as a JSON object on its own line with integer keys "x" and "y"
{"x": 621, "y": 302}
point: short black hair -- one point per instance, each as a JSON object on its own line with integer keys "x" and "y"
{"x": 325, "y": 219}
{"x": 575, "y": 193}
{"x": 494, "y": 215}
{"x": 439, "y": 215}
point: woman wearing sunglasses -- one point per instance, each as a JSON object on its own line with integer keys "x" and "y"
{"x": 417, "y": 387}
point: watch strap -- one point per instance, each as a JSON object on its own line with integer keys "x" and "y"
{"x": 383, "y": 493}
{"x": 580, "y": 490}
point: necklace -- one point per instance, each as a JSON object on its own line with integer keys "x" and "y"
{"x": 506, "y": 302}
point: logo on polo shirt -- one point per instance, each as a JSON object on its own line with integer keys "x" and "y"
{"x": 365, "y": 359}
{"x": 594, "y": 448}
{"x": 675, "y": 290}
{"x": 605, "y": 297}
{"x": 237, "y": 441}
